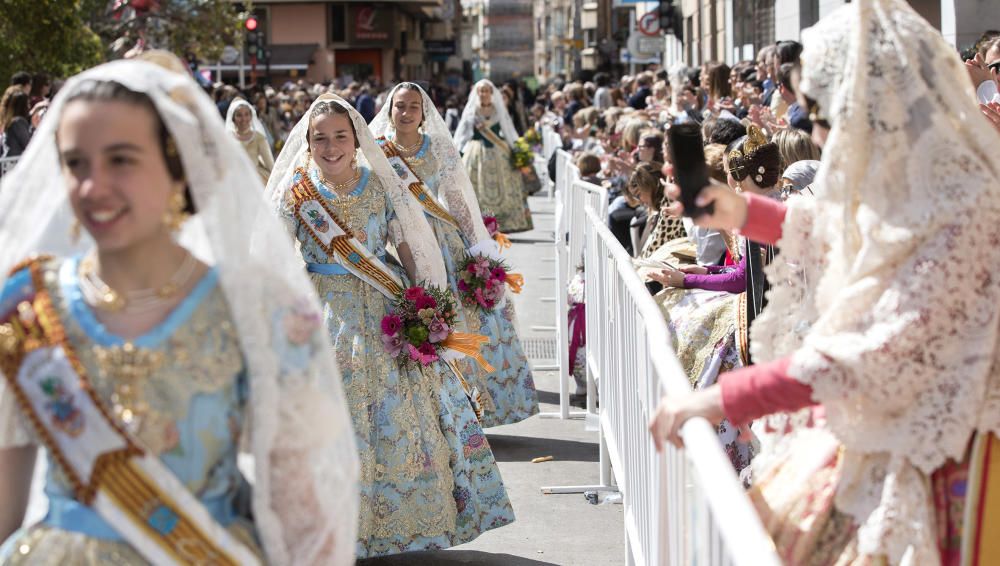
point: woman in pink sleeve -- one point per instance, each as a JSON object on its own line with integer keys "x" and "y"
{"x": 878, "y": 311}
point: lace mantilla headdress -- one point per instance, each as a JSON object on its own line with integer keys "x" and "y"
{"x": 305, "y": 496}
{"x": 898, "y": 334}
{"x": 255, "y": 123}
{"x": 467, "y": 123}
{"x": 417, "y": 232}
{"x": 454, "y": 187}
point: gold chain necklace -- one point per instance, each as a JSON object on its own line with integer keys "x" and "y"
{"x": 341, "y": 188}
{"x": 99, "y": 294}
{"x": 409, "y": 148}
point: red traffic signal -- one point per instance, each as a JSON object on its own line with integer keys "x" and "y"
{"x": 251, "y": 23}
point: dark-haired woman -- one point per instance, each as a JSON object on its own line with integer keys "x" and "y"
{"x": 14, "y": 122}
{"x": 142, "y": 365}
{"x": 419, "y": 142}
{"x": 709, "y": 309}
{"x": 428, "y": 476}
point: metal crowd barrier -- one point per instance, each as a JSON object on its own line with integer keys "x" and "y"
{"x": 683, "y": 507}
{"x": 572, "y": 197}
{"x": 6, "y": 164}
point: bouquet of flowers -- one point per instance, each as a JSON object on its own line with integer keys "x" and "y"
{"x": 481, "y": 281}
{"x": 521, "y": 155}
{"x": 421, "y": 328}
{"x": 493, "y": 227}
{"x": 532, "y": 137}
{"x": 419, "y": 325}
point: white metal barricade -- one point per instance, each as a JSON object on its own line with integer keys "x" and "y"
{"x": 684, "y": 507}
{"x": 572, "y": 197}
{"x": 6, "y": 164}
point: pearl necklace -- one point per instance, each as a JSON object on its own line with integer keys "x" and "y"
{"x": 99, "y": 294}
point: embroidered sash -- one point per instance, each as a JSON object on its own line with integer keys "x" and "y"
{"x": 106, "y": 468}
{"x": 336, "y": 239}
{"x": 493, "y": 138}
{"x": 417, "y": 188}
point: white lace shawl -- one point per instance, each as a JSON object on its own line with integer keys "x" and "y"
{"x": 467, "y": 124}
{"x": 411, "y": 225}
{"x": 255, "y": 123}
{"x": 305, "y": 501}
{"x": 902, "y": 243}
{"x": 454, "y": 187}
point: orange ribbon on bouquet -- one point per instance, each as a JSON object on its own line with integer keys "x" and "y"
{"x": 469, "y": 344}
{"x": 516, "y": 282}
{"x": 502, "y": 240}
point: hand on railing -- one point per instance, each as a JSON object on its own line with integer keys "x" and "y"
{"x": 730, "y": 211}
{"x": 673, "y": 412}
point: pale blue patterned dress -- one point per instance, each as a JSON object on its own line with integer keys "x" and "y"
{"x": 511, "y": 387}
{"x": 428, "y": 477}
{"x": 196, "y": 397}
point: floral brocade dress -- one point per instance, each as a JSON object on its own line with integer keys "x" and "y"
{"x": 190, "y": 405}
{"x": 508, "y": 393}
{"x": 499, "y": 186}
{"x": 428, "y": 477}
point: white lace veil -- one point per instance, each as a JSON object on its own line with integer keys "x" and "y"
{"x": 901, "y": 331}
{"x": 255, "y": 123}
{"x": 417, "y": 232}
{"x": 305, "y": 482}
{"x": 455, "y": 187}
{"x": 466, "y": 125}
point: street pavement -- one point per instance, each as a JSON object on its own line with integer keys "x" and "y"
{"x": 562, "y": 530}
{"x": 565, "y": 529}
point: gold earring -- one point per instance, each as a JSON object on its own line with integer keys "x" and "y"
{"x": 74, "y": 231}
{"x": 175, "y": 216}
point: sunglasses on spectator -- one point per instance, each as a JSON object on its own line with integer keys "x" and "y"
{"x": 994, "y": 66}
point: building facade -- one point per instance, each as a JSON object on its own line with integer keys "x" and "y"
{"x": 733, "y": 30}
{"x": 324, "y": 41}
{"x": 499, "y": 44}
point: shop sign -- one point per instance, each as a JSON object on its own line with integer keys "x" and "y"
{"x": 370, "y": 25}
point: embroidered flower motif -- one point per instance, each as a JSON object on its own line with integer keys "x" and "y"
{"x": 399, "y": 169}
{"x": 300, "y": 322}
{"x": 65, "y": 416}
{"x": 318, "y": 222}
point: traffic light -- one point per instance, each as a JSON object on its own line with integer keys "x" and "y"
{"x": 251, "y": 23}
{"x": 671, "y": 20}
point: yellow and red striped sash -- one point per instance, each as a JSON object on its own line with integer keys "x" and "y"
{"x": 415, "y": 185}
{"x": 335, "y": 238}
{"x": 105, "y": 467}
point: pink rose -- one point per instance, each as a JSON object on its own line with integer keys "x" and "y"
{"x": 482, "y": 268}
{"x": 391, "y": 324}
{"x": 413, "y": 293}
{"x": 425, "y": 302}
{"x": 425, "y": 354}
{"x": 481, "y": 299}
{"x": 439, "y": 330}
{"x": 491, "y": 224}
{"x": 393, "y": 344}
